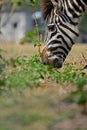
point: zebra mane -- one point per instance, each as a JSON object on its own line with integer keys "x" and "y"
{"x": 47, "y": 7}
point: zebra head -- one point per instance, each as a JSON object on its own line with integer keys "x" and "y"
{"x": 59, "y": 38}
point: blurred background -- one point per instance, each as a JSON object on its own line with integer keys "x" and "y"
{"x": 17, "y": 21}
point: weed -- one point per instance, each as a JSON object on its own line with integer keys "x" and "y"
{"x": 27, "y": 72}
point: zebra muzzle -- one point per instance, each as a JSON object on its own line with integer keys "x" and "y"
{"x": 49, "y": 59}
{"x": 57, "y": 63}
{"x": 44, "y": 57}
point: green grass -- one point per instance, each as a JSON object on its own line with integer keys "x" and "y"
{"x": 25, "y": 72}
{"x": 33, "y": 95}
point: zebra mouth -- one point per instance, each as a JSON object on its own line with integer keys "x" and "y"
{"x": 48, "y": 58}
{"x": 55, "y": 62}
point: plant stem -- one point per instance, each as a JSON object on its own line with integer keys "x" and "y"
{"x": 38, "y": 34}
{"x": 84, "y": 58}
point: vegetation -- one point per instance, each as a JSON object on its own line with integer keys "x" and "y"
{"x": 39, "y": 97}
{"x": 21, "y": 2}
{"x": 21, "y": 72}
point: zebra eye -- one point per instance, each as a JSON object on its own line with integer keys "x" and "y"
{"x": 51, "y": 27}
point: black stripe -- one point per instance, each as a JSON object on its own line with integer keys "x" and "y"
{"x": 53, "y": 33}
{"x": 75, "y": 7}
{"x": 72, "y": 22}
{"x": 65, "y": 17}
{"x": 67, "y": 27}
{"x": 52, "y": 48}
{"x": 60, "y": 53}
{"x": 71, "y": 11}
{"x": 59, "y": 42}
{"x": 58, "y": 47}
{"x": 64, "y": 49}
{"x": 62, "y": 17}
{"x": 80, "y": 4}
{"x": 66, "y": 35}
{"x": 56, "y": 0}
{"x": 62, "y": 38}
{"x": 85, "y": 1}
{"x": 54, "y": 42}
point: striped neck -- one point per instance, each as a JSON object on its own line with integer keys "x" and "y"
{"x": 74, "y": 9}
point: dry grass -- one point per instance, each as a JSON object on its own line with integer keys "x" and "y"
{"x": 13, "y": 50}
{"x": 76, "y": 54}
{"x": 77, "y": 50}
{"x": 28, "y": 49}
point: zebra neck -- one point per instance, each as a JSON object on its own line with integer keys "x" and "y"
{"x": 82, "y": 4}
{"x": 74, "y": 9}
{"x": 85, "y": 1}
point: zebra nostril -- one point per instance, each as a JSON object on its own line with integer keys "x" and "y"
{"x": 57, "y": 63}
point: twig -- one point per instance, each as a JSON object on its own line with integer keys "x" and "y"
{"x": 39, "y": 41}
{"x": 84, "y": 58}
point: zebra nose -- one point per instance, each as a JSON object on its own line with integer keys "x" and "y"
{"x": 57, "y": 63}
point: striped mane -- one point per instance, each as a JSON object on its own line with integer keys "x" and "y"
{"x": 47, "y": 7}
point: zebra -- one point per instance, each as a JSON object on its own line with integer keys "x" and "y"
{"x": 62, "y": 18}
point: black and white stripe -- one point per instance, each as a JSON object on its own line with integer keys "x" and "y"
{"x": 62, "y": 29}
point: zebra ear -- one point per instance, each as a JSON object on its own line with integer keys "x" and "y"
{"x": 47, "y": 7}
